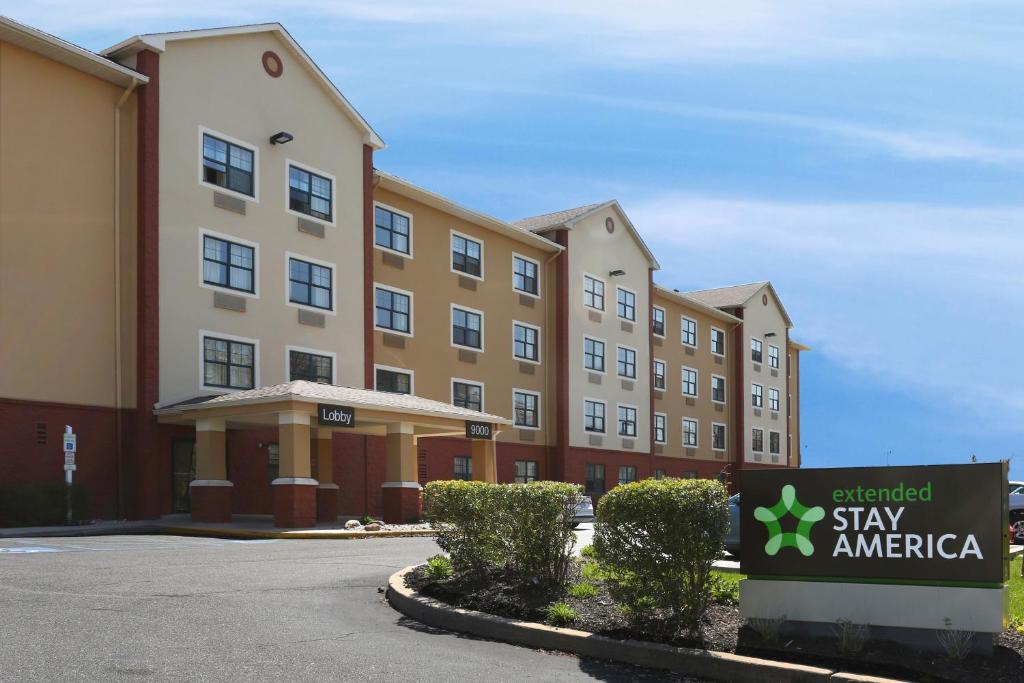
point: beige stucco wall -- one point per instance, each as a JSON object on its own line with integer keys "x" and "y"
{"x": 759, "y": 319}
{"x": 428, "y": 353}
{"x": 57, "y": 214}
{"x": 595, "y": 251}
{"x": 672, "y": 403}
{"x": 794, "y": 402}
{"x": 220, "y": 84}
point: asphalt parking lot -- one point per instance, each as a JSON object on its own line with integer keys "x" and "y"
{"x": 166, "y": 607}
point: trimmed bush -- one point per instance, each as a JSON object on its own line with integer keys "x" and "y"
{"x": 464, "y": 515}
{"x": 658, "y": 540}
{"x": 560, "y": 614}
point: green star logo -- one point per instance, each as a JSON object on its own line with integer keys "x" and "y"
{"x": 806, "y": 518}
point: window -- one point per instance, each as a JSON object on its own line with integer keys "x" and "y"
{"x": 773, "y": 356}
{"x": 717, "y": 341}
{"x": 273, "y": 461}
{"x": 595, "y": 478}
{"x": 526, "y": 407}
{"x": 310, "y": 193}
{"x": 391, "y": 230}
{"x": 773, "y": 399}
{"x": 467, "y": 395}
{"x": 689, "y": 433}
{"x": 463, "y": 468}
{"x": 310, "y": 284}
{"x": 688, "y": 331}
{"x": 393, "y": 311}
{"x": 689, "y": 382}
{"x": 524, "y": 275}
{"x": 627, "y": 474}
{"x": 659, "y": 374}
{"x": 228, "y": 264}
{"x": 593, "y": 354}
{"x": 526, "y": 471}
{"x": 717, "y": 389}
{"x": 755, "y": 350}
{"x": 593, "y": 293}
{"x": 626, "y": 362}
{"x": 627, "y": 421}
{"x": 466, "y": 256}
{"x": 228, "y": 165}
{"x": 593, "y": 416}
{"x": 658, "y": 320}
{"x": 774, "y": 444}
{"x": 659, "y": 473}
{"x": 311, "y": 367}
{"x": 526, "y": 342}
{"x": 228, "y": 364}
{"x": 467, "y": 328}
{"x": 717, "y": 437}
{"x": 757, "y": 440}
{"x": 394, "y": 381}
{"x": 756, "y": 397}
{"x": 660, "y": 425}
{"x": 625, "y": 304}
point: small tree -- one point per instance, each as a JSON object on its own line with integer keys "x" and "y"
{"x": 659, "y": 539}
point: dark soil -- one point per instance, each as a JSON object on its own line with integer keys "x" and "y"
{"x": 723, "y": 630}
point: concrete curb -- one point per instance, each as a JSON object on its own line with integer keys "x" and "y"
{"x": 721, "y": 666}
{"x": 214, "y": 532}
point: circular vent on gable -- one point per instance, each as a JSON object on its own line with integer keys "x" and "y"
{"x": 609, "y": 224}
{"x": 272, "y": 64}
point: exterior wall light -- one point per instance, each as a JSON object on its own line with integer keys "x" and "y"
{"x": 281, "y": 138}
{"x": 616, "y": 273}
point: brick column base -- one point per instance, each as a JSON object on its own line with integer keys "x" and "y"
{"x": 294, "y": 502}
{"x": 211, "y": 500}
{"x": 327, "y": 503}
{"x": 401, "y": 502}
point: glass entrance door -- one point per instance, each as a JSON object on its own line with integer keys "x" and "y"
{"x": 183, "y": 471}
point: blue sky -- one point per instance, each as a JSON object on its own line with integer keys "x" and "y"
{"x": 866, "y": 157}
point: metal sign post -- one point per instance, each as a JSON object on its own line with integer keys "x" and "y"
{"x": 70, "y": 446}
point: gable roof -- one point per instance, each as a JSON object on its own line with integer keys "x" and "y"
{"x": 52, "y": 47}
{"x": 158, "y": 42}
{"x": 685, "y": 300}
{"x": 736, "y": 296}
{"x": 567, "y": 218}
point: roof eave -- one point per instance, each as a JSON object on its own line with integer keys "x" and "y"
{"x": 651, "y": 259}
{"x": 684, "y": 300}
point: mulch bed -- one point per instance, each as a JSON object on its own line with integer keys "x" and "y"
{"x": 724, "y": 631}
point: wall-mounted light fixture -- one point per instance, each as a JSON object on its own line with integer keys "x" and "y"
{"x": 616, "y": 273}
{"x": 281, "y": 138}
{"x": 769, "y": 334}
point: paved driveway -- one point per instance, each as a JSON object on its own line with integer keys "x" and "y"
{"x": 165, "y": 607}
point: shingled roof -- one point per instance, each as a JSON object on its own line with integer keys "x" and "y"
{"x": 726, "y": 297}
{"x": 553, "y": 220}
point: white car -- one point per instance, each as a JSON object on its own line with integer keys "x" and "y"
{"x": 1017, "y": 510}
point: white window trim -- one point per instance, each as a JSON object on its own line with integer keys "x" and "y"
{"x": 696, "y": 431}
{"x": 636, "y": 356}
{"x": 333, "y": 310}
{"x": 635, "y": 299}
{"x": 302, "y": 349}
{"x": 540, "y": 343}
{"x": 255, "y": 294}
{"x": 404, "y": 371}
{"x": 665, "y": 419}
{"x": 750, "y": 350}
{"x": 777, "y": 358}
{"x": 535, "y": 262}
{"x": 682, "y": 381}
{"x": 726, "y": 440}
{"x": 389, "y": 250}
{"x": 584, "y": 415}
{"x": 637, "y": 421}
{"x": 203, "y": 387}
{"x": 761, "y": 387}
{"x": 778, "y": 398}
{"x": 770, "y": 432}
{"x": 583, "y": 356}
{"x": 451, "y": 260}
{"x": 540, "y": 410}
{"x": 255, "y": 198}
{"x": 451, "y": 327}
{"x": 711, "y": 346}
{"x": 664, "y": 318}
{"x": 696, "y": 332}
{"x": 583, "y": 292}
{"x": 288, "y": 194}
{"x": 483, "y": 392}
{"x": 665, "y": 366}
{"x": 725, "y": 386}
{"x": 412, "y": 309}
{"x": 754, "y": 450}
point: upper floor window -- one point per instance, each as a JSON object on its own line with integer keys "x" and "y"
{"x": 467, "y": 256}
{"x": 526, "y": 471}
{"x": 393, "y": 310}
{"x": 773, "y": 399}
{"x": 755, "y": 350}
{"x": 757, "y": 440}
{"x": 689, "y": 382}
{"x": 312, "y": 367}
{"x": 717, "y": 389}
{"x": 310, "y": 193}
{"x": 756, "y": 395}
{"x": 627, "y": 362}
{"x": 689, "y": 432}
{"x": 310, "y": 284}
{"x": 594, "y": 479}
{"x": 659, "y": 374}
{"x": 688, "y": 331}
{"x": 660, "y": 421}
{"x": 593, "y": 416}
{"x": 627, "y": 421}
{"x": 393, "y": 381}
{"x": 391, "y": 230}
{"x": 774, "y": 443}
{"x": 717, "y": 341}
{"x": 773, "y": 356}
{"x": 658, "y": 320}
{"x": 526, "y": 408}
{"x": 593, "y": 292}
{"x": 228, "y": 165}
{"x": 627, "y": 474}
{"x": 228, "y": 264}
{"x": 463, "y": 469}
{"x": 469, "y": 395}
{"x": 717, "y": 436}
{"x": 625, "y": 304}
{"x": 525, "y": 276}
{"x": 467, "y": 328}
{"x": 228, "y": 363}
{"x": 526, "y": 342}
{"x": 593, "y": 354}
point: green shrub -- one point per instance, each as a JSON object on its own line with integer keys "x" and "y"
{"x": 583, "y": 591}
{"x": 587, "y": 551}
{"x": 659, "y": 539}
{"x": 560, "y": 614}
{"x": 725, "y": 588}
{"x": 439, "y": 567}
{"x": 41, "y": 504}
{"x": 592, "y": 571}
{"x": 464, "y": 515}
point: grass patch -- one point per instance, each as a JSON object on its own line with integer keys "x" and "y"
{"x": 582, "y": 591}
{"x": 560, "y": 614}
